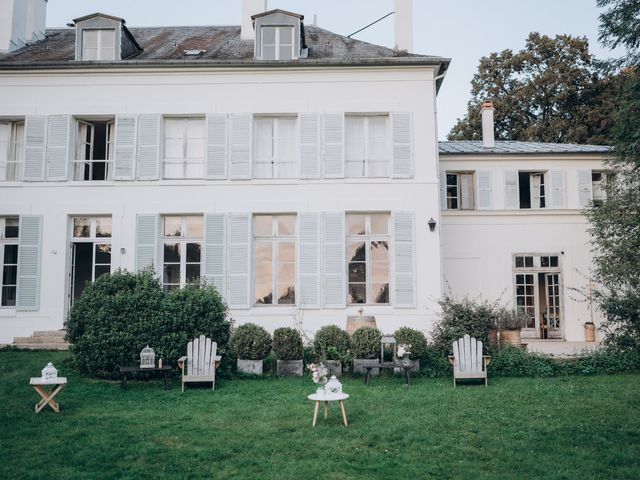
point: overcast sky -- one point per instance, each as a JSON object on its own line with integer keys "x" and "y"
{"x": 463, "y": 30}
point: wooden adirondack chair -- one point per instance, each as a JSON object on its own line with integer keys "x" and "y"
{"x": 468, "y": 360}
{"x": 200, "y": 362}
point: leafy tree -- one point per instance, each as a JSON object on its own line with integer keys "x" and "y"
{"x": 620, "y": 27}
{"x": 551, "y": 91}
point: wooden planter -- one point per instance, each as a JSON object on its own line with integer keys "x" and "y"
{"x": 250, "y": 366}
{"x": 511, "y": 337}
{"x": 292, "y": 368}
{"x": 360, "y": 363}
{"x": 589, "y": 332}
{"x": 334, "y": 366}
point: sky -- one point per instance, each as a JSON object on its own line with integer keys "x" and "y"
{"x": 463, "y": 30}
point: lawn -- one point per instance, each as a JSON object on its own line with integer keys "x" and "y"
{"x": 517, "y": 428}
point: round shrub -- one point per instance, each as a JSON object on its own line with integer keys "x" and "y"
{"x": 413, "y": 337}
{"x": 331, "y": 343}
{"x": 365, "y": 343}
{"x": 119, "y": 314}
{"x": 250, "y": 342}
{"x": 287, "y": 344}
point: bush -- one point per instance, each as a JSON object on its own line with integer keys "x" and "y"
{"x": 287, "y": 344}
{"x": 250, "y": 342}
{"x": 365, "y": 343}
{"x": 413, "y": 337}
{"x": 331, "y": 343}
{"x": 119, "y": 314}
{"x": 510, "y": 319}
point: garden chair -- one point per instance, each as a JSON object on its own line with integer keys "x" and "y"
{"x": 200, "y": 362}
{"x": 468, "y": 360}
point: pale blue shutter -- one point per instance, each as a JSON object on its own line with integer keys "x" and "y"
{"x": 310, "y": 146}
{"x": 402, "y": 139}
{"x": 241, "y": 128}
{"x": 217, "y": 146}
{"x": 333, "y": 141}
{"x": 335, "y": 292}
{"x": 147, "y": 242}
{"x": 443, "y": 189}
{"x": 511, "y": 192}
{"x": 29, "y": 259}
{"x": 58, "y": 146}
{"x": 148, "y": 147}
{"x": 35, "y": 135}
{"x": 404, "y": 260}
{"x": 558, "y": 192}
{"x": 485, "y": 194}
{"x": 585, "y": 188}
{"x": 214, "y": 251}
{"x": 239, "y": 260}
{"x": 309, "y": 260}
{"x": 125, "y": 151}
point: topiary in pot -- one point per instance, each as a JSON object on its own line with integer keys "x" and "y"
{"x": 416, "y": 343}
{"x": 251, "y": 344}
{"x": 509, "y": 322}
{"x": 287, "y": 346}
{"x": 332, "y": 344}
{"x": 365, "y": 344}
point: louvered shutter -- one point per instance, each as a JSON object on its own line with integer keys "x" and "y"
{"x": 29, "y": 259}
{"x": 35, "y": 136}
{"x": 241, "y": 128}
{"x": 485, "y": 194}
{"x": 511, "y": 193}
{"x": 558, "y": 193}
{"x": 148, "y": 147}
{"x": 147, "y": 242}
{"x": 404, "y": 260}
{"x": 5, "y": 138}
{"x": 125, "y": 155}
{"x": 217, "y": 146}
{"x": 309, "y": 260}
{"x": 333, "y": 141}
{"x": 443, "y": 189}
{"x": 335, "y": 295}
{"x": 310, "y": 147}
{"x": 585, "y": 188}
{"x": 239, "y": 256}
{"x": 214, "y": 251}
{"x": 402, "y": 137}
{"x": 58, "y": 146}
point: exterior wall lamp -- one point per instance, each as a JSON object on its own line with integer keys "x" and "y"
{"x": 432, "y": 224}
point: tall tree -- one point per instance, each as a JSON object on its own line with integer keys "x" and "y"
{"x": 620, "y": 27}
{"x": 551, "y": 91}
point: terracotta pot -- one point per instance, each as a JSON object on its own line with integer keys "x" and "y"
{"x": 589, "y": 332}
{"x": 511, "y": 337}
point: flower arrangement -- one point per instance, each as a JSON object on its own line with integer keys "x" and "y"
{"x": 318, "y": 373}
{"x": 403, "y": 352}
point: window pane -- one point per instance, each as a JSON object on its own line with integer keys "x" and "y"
{"x": 103, "y": 253}
{"x": 286, "y": 225}
{"x": 193, "y": 273}
{"x": 263, "y": 225}
{"x": 268, "y": 35}
{"x": 519, "y": 262}
{"x": 357, "y": 272}
{"x": 90, "y": 38}
{"x": 10, "y": 275}
{"x": 10, "y": 254}
{"x": 357, "y": 293}
{"x": 380, "y": 292}
{"x": 544, "y": 261}
{"x": 356, "y": 224}
{"x": 355, "y": 138}
{"x": 379, "y": 251}
{"x": 11, "y": 228}
{"x": 8, "y": 296}
{"x": 171, "y": 274}
{"x": 172, "y": 252}
{"x": 380, "y": 272}
{"x": 528, "y": 262}
{"x": 377, "y": 141}
{"x": 103, "y": 227}
{"x": 194, "y": 227}
{"x": 102, "y": 270}
{"x": 356, "y": 252}
{"x": 264, "y": 273}
{"x": 286, "y": 35}
{"x": 554, "y": 261}
{"x": 286, "y": 252}
{"x": 193, "y": 252}
{"x": 286, "y": 294}
{"x": 81, "y": 227}
{"x": 268, "y": 52}
{"x": 287, "y": 273}
{"x": 172, "y": 226}
{"x": 379, "y": 223}
{"x": 285, "y": 52}
{"x": 108, "y": 38}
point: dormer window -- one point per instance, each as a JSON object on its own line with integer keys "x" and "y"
{"x": 279, "y": 36}
{"x": 277, "y": 43}
{"x": 98, "y": 44}
{"x": 104, "y": 38}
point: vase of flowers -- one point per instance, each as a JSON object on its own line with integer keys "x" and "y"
{"x": 319, "y": 375}
{"x": 403, "y": 353}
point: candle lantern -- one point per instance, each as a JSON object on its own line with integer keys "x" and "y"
{"x": 49, "y": 372}
{"x": 333, "y": 386}
{"x": 147, "y": 358}
{"x": 389, "y": 340}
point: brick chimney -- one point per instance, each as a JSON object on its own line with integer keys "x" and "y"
{"x": 21, "y": 22}
{"x": 488, "y": 140}
{"x": 403, "y": 25}
{"x": 250, "y": 7}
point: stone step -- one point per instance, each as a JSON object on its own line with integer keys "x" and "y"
{"x": 38, "y": 339}
{"x": 49, "y": 333}
{"x": 41, "y": 346}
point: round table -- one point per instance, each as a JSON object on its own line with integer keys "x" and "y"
{"x": 326, "y": 398}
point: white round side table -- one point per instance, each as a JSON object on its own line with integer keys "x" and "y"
{"x": 338, "y": 397}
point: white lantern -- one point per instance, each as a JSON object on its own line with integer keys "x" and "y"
{"x": 147, "y": 358}
{"x": 49, "y": 372}
{"x": 333, "y": 386}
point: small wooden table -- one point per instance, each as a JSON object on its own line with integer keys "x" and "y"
{"x": 387, "y": 365}
{"x": 164, "y": 370}
{"x": 47, "y": 397}
{"x": 338, "y": 397}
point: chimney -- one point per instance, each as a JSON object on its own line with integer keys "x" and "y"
{"x": 250, "y": 7}
{"x": 488, "y": 140}
{"x": 403, "y": 25}
{"x": 21, "y": 22}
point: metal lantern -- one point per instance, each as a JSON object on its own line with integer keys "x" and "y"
{"x": 49, "y": 372}
{"x": 147, "y": 358}
{"x": 333, "y": 386}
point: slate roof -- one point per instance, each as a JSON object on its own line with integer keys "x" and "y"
{"x": 513, "y": 147}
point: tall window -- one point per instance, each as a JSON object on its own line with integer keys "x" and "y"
{"x": 274, "y": 243}
{"x": 94, "y": 150}
{"x": 367, "y": 145}
{"x": 368, "y": 257}
{"x": 598, "y": 186}
{"x": 532, "y": 189}
{"x": 181, "y": 250}
{"x": 9, "y": 254}
{"x": 98, "y": 44}
{"x": 184, "y": 147}
{"x": 11, "y": 150}
{"x": 277, "y": 43}
{"x": 460, "y": 191}
{"x": 274, "y": 147}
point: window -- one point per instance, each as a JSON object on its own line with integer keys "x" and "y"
{"x": 184, "y": 147}
{"x": 98, "y": 44}
{"x": 94, "y": 150}
{"x": 11, "y": 150}
{"x": 532, "y": 189}
{"x": 368, "y": 257}
{"x": 274, "y": 147}
{"x": 277, "y": 43}
{"x": 274, "y": 250}
{"x": 9, "y": 254}
{"x": 181, "y": 250}
{"x": 598, "y": 186}
{"x": 367, "y": 145}
{"x": 460, "y": 191}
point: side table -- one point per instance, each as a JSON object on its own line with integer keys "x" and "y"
{"x": 164, "y": 370}
{"x": 339, "y": 397}
{"x": 47, "y": 397}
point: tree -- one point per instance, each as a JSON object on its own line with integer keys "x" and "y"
{"x": 551, "y": 91}
{"x": 620, "y": 27}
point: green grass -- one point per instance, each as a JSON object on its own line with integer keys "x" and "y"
{"x": 557, "y": 428}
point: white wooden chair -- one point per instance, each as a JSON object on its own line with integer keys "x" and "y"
{"x": 200, "y": 362}
{"x": 468, "y": 360}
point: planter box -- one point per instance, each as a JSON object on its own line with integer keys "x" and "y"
{"x": 290, "y": 367}
{"x": 511, "y": 337}
{"x": 415, "y": 366}
{"x": 250, "y": 366}
{"x": 334, "y": 366}
{"x": 360, "y": 363}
